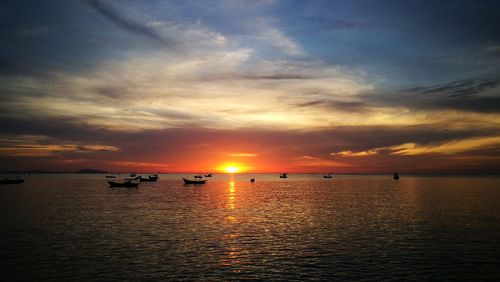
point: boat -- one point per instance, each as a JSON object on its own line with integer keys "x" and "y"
{"x": 133, "y": 178}
{"x": 11, "y": 181}
{"x": 329, "y": 175}
{"x": 132, "y": 174}
{"x": 252, "y": 180}
{"x": 283, "y": 175}
{"x": 126, "y": 184}
{"x": 110, "y": 176}
{"x": 396, "y": 176}
{"x": 198, "y": 176}
{"x": 187, "y": 181}
{"x": 149, "y": 179}
{"x": 209, "y": 175}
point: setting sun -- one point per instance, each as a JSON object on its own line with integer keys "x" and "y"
{"x": 231, "y": 169}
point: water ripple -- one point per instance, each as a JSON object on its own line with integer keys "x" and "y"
{"x": 348, "y": 228}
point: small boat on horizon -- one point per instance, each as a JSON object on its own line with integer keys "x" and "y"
{"x": 126, "y": 184}
{"x": 396, "y": 176}
{"x": 11, "y": 181}
{"x": 283, "y": 175}
{"x": 209, "y": 175}
{"x": 329, "y": 175}
{"x": 110, "y": 176}
{"x": 188, "y": 181}
{"x": 198, "y": 176}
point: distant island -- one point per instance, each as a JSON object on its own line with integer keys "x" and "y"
{"x": 37, "y": 171}
{"x": 88, "y": 170}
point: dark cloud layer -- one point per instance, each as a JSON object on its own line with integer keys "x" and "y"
{"x": 339, "y": 106}
{"x": 126, "y": 23}
{"x": 456, "y": 88}
{"x": 473, "y": 95}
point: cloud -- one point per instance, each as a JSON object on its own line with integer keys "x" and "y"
{"x": 456, "y": 88}
{"x": 242, "y": 155}
{"x": 452, "y": 147}
{"x": 278, "y": 76}
{"x": 217, "y": 89}
{"x": 43, "y": 146}
{"x": 126, "y": 23}
{"x": 306, "y": 157}
{"x": 448, "y": 148}
{"x": 493, "y": 51}
{"x": 126, "y": 165}
{"x": 265, "y": 36}
{"x": 307, "y": 164}
{"x": 473, "y": 95}
{"x": 198, "y": 148}
{"x": 310, "y": 103}
{"x": 351, "y": 107}
{"x": 349, "y": 153}
{"x": 320, "y": 24}
{"x": 278, "y": 39}
{"x": 190, "y": 37}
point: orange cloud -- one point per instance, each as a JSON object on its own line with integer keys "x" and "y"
{"x": 242, "y": 155}
{"x": 349, "y": 153}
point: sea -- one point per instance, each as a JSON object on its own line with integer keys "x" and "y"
{"x": 72, "y": 227}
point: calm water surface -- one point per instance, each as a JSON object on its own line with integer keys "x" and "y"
{"x": 72, "y": 227}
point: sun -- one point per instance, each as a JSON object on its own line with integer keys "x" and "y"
{"x": 231, "y": 169}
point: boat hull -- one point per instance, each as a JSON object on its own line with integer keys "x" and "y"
{"x": 126, "y": 184}
{"x": 187, "y": 181}
{"x": 147, "y": 179}
{"x": 11, "y": 181}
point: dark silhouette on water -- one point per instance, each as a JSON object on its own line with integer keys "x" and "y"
{"x": 126, "y": 184}
{"x": 252, "y": 180}
{"x": 187, "y": 181}
{"x": 283, "y": 175}
{"x": 11, "y": 181}
{"x": 133, "y": 178}
{"x": 209, "y": 175}
{"x": 329, "y": 175}
{"x": 150, "y": 178}
{"x": 396, "y": 176}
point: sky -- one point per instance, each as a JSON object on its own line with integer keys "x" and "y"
{"x": 264, "y": 86}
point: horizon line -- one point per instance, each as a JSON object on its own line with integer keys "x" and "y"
{"x": 228, "y": 173}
